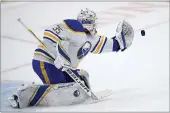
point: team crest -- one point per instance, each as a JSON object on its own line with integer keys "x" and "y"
{"x": 84, "y": 50}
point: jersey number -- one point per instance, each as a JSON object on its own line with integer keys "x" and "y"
{"x": 57, "y": 29}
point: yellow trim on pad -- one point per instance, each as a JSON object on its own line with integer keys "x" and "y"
{"x": 35, "y": 91}
{"x": 45, "y": 93}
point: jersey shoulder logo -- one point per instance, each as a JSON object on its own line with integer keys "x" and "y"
{"x": 84, "y": 50}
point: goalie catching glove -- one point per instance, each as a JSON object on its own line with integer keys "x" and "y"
{"x": 124, "y": 35}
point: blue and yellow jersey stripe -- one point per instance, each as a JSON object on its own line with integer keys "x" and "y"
{"x": 98, "y": 48}
{"x": 50, "y": 35}
{"x": 42, "y": 51}
{"x": 39, "y": 94}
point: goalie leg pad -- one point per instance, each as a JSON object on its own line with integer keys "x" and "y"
{"x": 50, "y": 95}
{"x": 66, "y": 94}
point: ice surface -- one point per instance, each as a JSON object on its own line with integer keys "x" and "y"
{"x": 139, "y": 76}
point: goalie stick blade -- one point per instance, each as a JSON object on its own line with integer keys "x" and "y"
{"x": 101, "y": 95}
{"x": 93, "y": 96}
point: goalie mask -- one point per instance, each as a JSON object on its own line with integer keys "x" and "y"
{"x": 88, "y": 19}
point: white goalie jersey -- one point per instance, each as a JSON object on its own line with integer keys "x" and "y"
{"x": 69, "y": 42}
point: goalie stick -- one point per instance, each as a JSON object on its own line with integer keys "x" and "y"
{"x": 68, "y": 71}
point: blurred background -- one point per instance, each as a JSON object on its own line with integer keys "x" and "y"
{"x": 139, "y": 76}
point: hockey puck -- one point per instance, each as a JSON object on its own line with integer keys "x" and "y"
{"x": 143, "y": 32}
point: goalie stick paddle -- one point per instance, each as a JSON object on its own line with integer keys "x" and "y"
{"x": 70, "y": 73}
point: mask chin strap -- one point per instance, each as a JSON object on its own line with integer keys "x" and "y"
{"x": 93, "y": 32}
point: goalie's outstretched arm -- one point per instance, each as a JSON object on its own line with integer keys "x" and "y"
{"x": 104, "y": 44}
{"x": 121, "y": 41}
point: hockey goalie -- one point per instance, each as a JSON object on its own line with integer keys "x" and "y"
{"x": 69, "y": 41}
